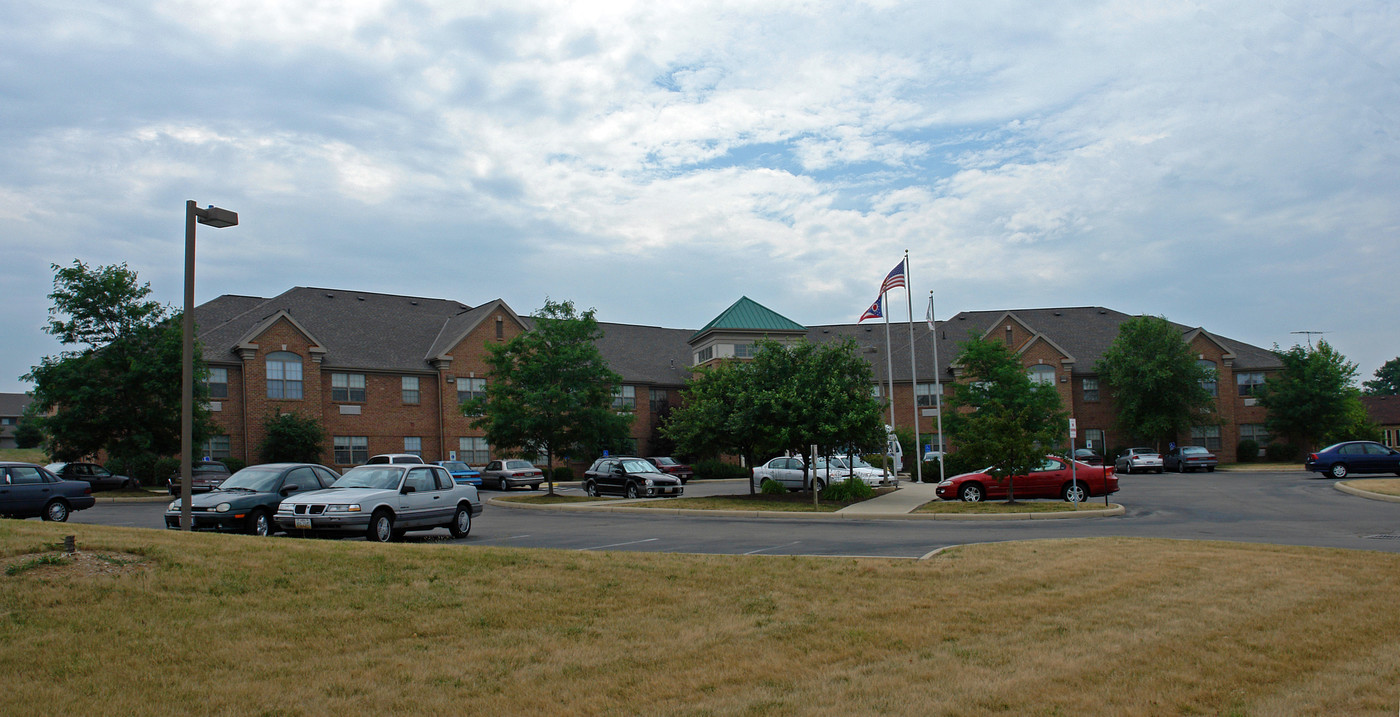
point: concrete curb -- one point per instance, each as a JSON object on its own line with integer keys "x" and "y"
{"x": 134, "y": 499}
{"x": 1345, "y": 487}
{"x": 622, "y": 506}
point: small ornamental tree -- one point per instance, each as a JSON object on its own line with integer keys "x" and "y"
{"x": 292, "y": 438}
{"x": 1007, "y": 421}
{"x": 550, "y": 391}
{"x": 1386, "y": 381}
{"x": 1157, "y": 385}
{"x": 1312, "y": 398}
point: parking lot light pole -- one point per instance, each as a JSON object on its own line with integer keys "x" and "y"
{"x": 217, "y": 218}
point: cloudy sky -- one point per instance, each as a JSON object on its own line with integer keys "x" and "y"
{"x": 1231, "y": 165}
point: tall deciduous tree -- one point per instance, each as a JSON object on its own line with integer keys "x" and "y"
{"x": 1313, "y": 398}
{"x": 1012, "y": 422}
{"x": 1157, "y": 385}
{"x": 1386, "y": 381}
{"x": 550, "y": 392}
{"x": 119, "y": 389}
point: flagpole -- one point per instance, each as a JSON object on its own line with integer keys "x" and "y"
{"x": 889, "y": 366}
{"x": 913, "y": 371}
{"x": 937, "y": 388}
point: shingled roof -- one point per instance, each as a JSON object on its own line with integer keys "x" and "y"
{"x": 749, "y": 315}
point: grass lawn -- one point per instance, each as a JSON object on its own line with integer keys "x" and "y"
{"x": 1388, "y": 486}
{"x": 1001, "y": 506}
{"x": 24, "y": 455}
{"x": 157, "y": 622}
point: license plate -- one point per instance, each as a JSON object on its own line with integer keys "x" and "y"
{"x": 303, "y": 523}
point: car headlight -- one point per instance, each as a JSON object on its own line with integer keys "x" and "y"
{"x": 174, "y": 505}
{"x": 285, "y": 507}
{"x": 350, "y": 508}
{"x": 222, "y": 508}
{"x": 945, "y": 483}
{"x": 648, "y": 481}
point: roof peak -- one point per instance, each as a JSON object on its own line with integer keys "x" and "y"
{"x": 749, "y": 315}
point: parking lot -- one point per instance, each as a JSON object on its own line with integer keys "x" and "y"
{"x": 1290, "y": 508}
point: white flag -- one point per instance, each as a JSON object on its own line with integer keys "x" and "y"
{"x": 931, "y": 327}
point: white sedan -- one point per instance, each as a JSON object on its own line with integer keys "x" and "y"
{"x": 788, "y": 472}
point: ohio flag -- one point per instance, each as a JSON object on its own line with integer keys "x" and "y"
{"x": 876, "y": 309}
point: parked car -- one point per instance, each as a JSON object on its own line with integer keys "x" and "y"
{"x": 27, "y": 490}
{"x": 205, "y": 476}
{"x": 630, "y": 477}
{"x": 95, "y": 475}
{"x": 1184, "y": 459}
{"x": 1341, "y": 459}
{"x": 1087, "y": 455}
{"x": 384, "y": 501}
{"x": 1139, "y": 459}
{"x": 507, "y": 474}
{"x": 671, "y": 466}
{"x": 788, "y": 472}
{"x": 248, "y": 500}
{"x": 462, "y": 473}
{"x": 395, "y": 458}
{"x": 1053, "y": 478}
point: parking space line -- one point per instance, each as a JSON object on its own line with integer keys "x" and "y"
{"x": 771, "y": 547}
{"x": 614, "y": 545}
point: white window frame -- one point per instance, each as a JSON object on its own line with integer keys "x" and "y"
{"x": 345, "y": 385}
{"x": 413, "y": 445}
{"x": 354, "y": 449}
{"x": 625, "y": 398}
{"x": 473, "y": 450}
{"x": 409, "y": 391}
{"x": 218, "y": 376}
{"x": 284, "y": 376}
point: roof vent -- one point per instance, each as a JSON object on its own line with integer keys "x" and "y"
{"x": 1103, "y": 311}
{"x": 414, "y": 303}
{"x": 1058, "y": 314}
{"x": 330, "y": 296}
{"x": 361, "y": 298}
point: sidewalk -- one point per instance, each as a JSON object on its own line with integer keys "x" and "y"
{"x": 909, "y": 496}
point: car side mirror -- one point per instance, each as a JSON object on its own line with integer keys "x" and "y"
{"x": 290, "y": 489}
{"x": 407, "y": 489}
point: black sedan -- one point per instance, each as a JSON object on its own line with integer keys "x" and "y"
{"x": 95, "y": 475}
{"x": 630, "y": 477}
{"x": 27, "y": 490}
{"x": 1340, "y": 459}
{"x": 246, "y": 502}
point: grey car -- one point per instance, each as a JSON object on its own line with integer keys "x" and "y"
{"x": 383, "y": 502}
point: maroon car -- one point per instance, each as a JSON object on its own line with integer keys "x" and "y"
{"x": 207, "y": 476}
{"x": 671, "y": 466}
{"x": 1052, "y": 479}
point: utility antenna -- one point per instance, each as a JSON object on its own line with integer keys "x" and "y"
{"x": 1310, "y": 334}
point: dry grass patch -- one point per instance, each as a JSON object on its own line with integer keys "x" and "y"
{"x": 988, "y": 507}
{"x": 1387, "y": 486}
{"x": 1074, "y": 627}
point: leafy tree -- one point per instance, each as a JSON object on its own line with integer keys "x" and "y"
{"x": 1386, "y": 381}
{"x": 1157, "y": 386}
{"x": 119, "y": 391}
{"x": 291, "y": 438}
{"x": 1013, "y": 422}
{"x": 550, "y": 391}
{"x": 1312, "y": 397}
{"x": 29, "y": 433}
{"x": 786, "y": 398}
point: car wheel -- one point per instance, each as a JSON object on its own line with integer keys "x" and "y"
{"x": 260, "y": 523}
{"x": 1159, "y": 471}
{"x": 971, "y": 493}
{"x": 1128, "y": 469}
{"x": 381, "y": 527}
{"x": 820, "y": 485}
{"x": 1075, "y": 492}
{"x": 1338, "y": 470}
{"x": 534, "y": 486}
{"x": 632, "y": 491}
{"x": 590, "y": 489}
{"x": 1210, "y": 469}
{"x": 502, "y": 484}
{"x": 461, "y": 522}
{"x": 56, "y": 511}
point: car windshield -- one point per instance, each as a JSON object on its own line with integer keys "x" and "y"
{"x": 262, "y": 480}
{"x": 664, "y": 461}
{"x": 383, "y": 477}
{"x": 637, "y": 466}
{"x": 55, "y": 467}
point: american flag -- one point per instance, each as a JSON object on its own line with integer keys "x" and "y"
{"x": 875, "y": 311}
{"x": 894, "y": 279}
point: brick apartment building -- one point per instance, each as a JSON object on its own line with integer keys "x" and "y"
{"x": 387, "y": 374}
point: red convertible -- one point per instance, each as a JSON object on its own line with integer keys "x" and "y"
{"x": 1052, "y": 479}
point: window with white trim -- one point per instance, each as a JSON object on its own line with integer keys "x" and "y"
{"x": 1255, "y": 432}
{"x": 1210, "y": 384}
{"x": 1208, "y": 436}
{"x": 473, "y": 451}
{"x": 410, "y": 389}
{"x": 1093, "y": 439}
{"x": 659, "y": 400}
{"x": 704, "y": 354}
{"x": 470, "y": 389}
{"x": 1041, "y": 374}
{"x": 1249, "y": 382}
{"x": 413, "y": 445}
{"x": 217, "y": 382}
{"x": 1091, "y": 390}
{"x": 743, "y": 350}
{"x": 348, "y": 387}
{"x": 284, "y": 376}
{"x": 625, "y": 398}
{"x": 925, "y": 394}
{"x": 216, "y": 448}
{"x": 351, "y": 450}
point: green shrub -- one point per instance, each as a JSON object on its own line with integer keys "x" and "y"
{"x": 165, "y": 467}
{"x": 850, "y": 489}
{"x": 563, "y": 474}
{"x": 1247, "y": 451}
{"x": 1280, "y": 453}
{"x": 716, "y": 469}
{"x": 771, "y": 487}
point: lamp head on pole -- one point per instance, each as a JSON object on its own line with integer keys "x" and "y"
{"x": 215, "y": 217}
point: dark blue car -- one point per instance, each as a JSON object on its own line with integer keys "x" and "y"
{"x": 462, "y": 473}
{"x": 1341, "y": 459}
{"x": 27, "y": 490}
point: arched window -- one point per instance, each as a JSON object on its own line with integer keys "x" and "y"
{"x": 284, "y": 375}
{"x": 1041, "y": 373}
{"x": 1209, "y": 384}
